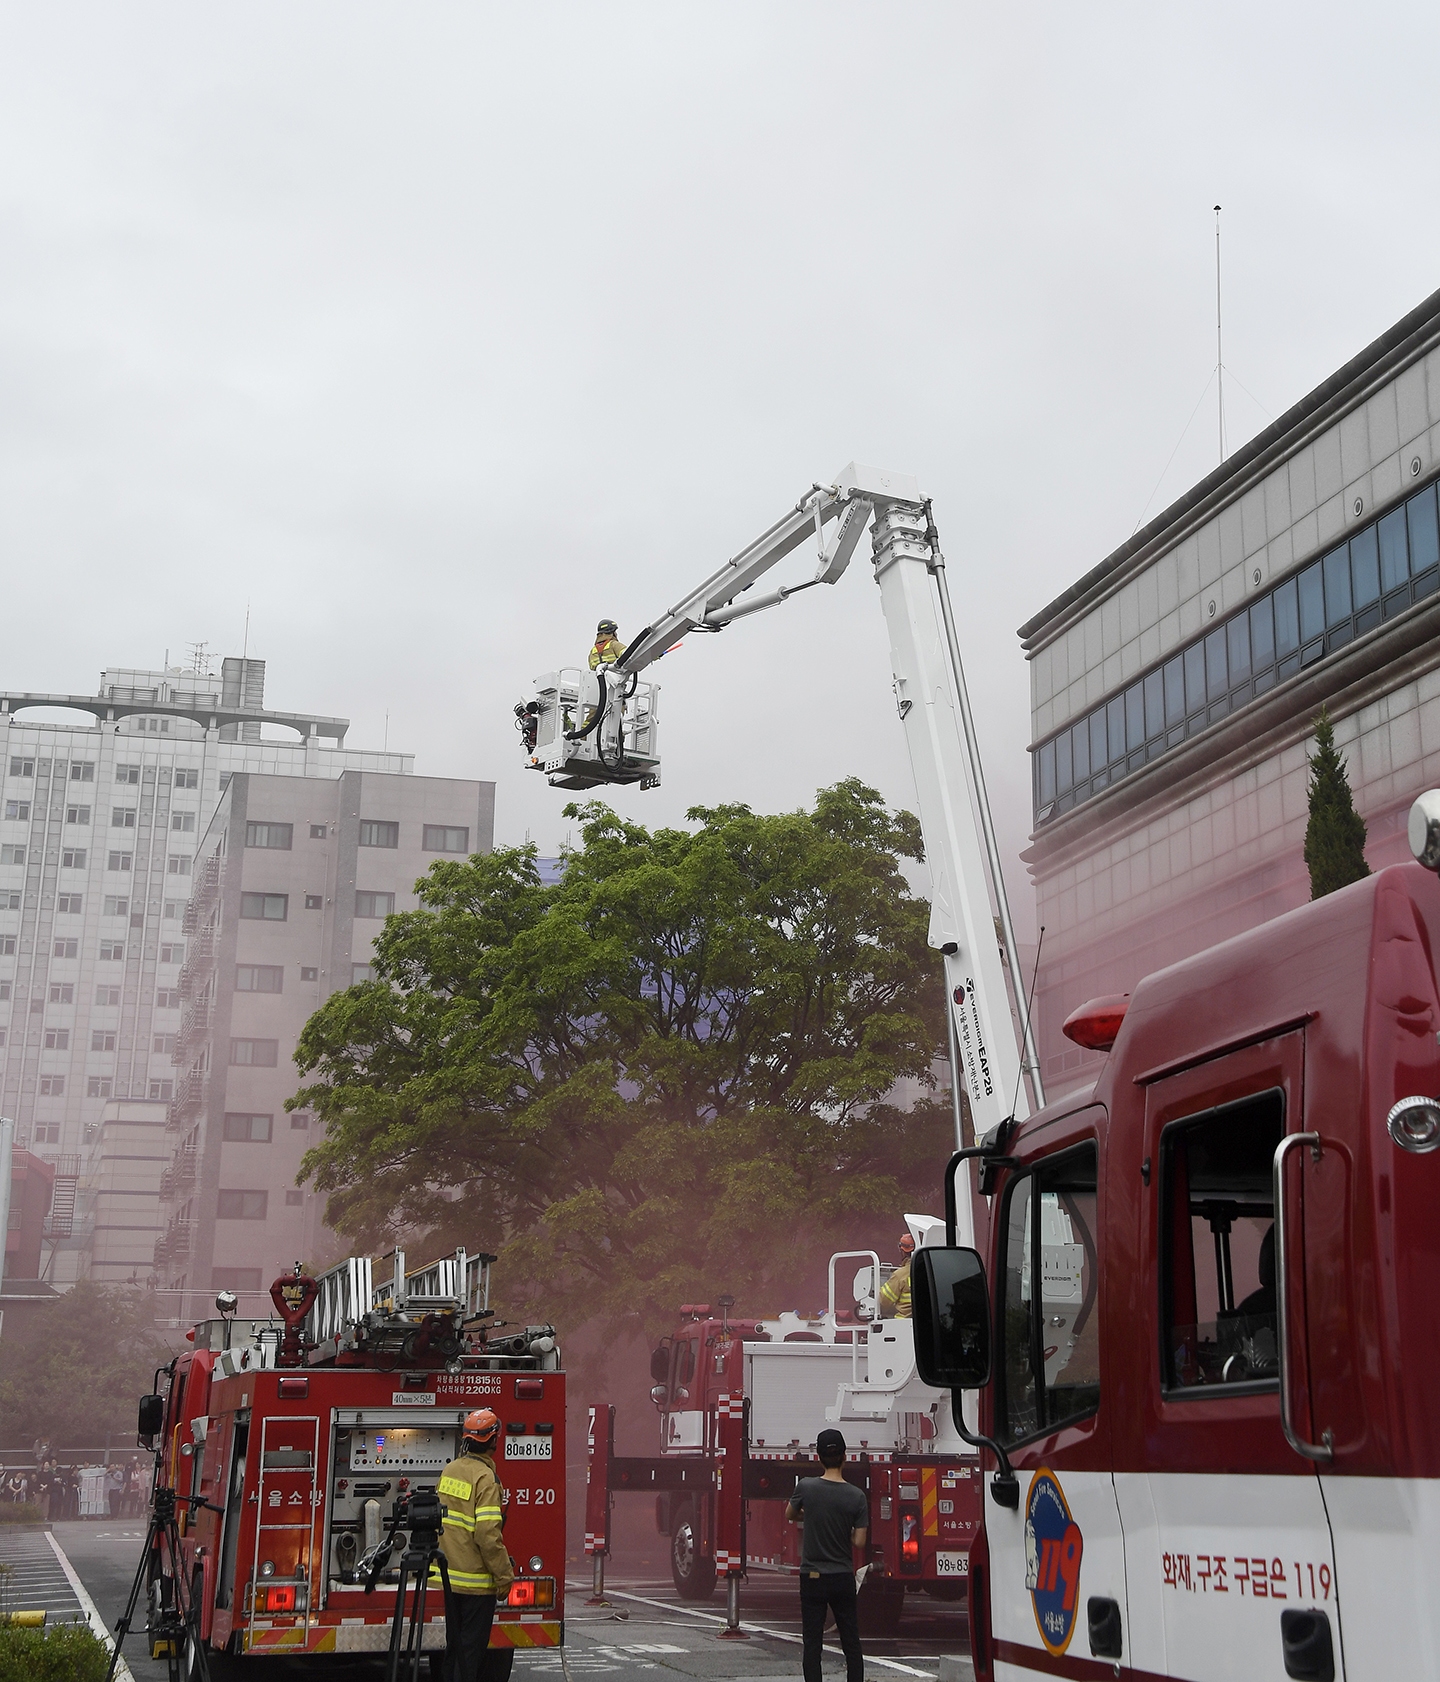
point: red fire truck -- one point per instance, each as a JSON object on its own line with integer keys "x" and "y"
{"x": 1231, "y": 1467}
{"x": 307, "y": 1435}
{"x": 741, "y": 1403}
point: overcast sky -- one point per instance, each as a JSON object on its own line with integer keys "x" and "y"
{"x": 435, "y": 333}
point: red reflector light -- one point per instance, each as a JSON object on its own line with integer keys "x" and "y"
{"x": 294, "y": 1386}
{"x": 529, "y": 1388}
{"x": 1097, "y": 1022}
{"x": 532, "y": 1591}
{"x": 909, "y": 1539}
{"x": 280, "y": 1599}
{"x": 521, "y": 1594}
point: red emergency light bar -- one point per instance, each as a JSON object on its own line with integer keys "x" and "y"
{"x": 1096, "y": 1024}
{"x": 695, "y": 1310}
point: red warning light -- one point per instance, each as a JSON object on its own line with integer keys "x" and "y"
{"x": 1096, "y": 1024}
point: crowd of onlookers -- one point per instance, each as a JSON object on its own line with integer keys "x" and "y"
{"x": 55, "y": 1489}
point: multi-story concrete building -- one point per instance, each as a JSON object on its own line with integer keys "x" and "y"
{"x": 294, "y": 878}
{"x": 98, "y": 827}
{"x": 1174, "y": 686}
{"x": 118, "y": 1205}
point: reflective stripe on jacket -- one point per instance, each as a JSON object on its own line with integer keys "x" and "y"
{"x": 606, "y": 652}
{"x": 895, "y": 1294}
{"x": 470, "y": 1534}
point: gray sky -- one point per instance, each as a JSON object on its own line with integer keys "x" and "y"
{"x": 438, "y": 332}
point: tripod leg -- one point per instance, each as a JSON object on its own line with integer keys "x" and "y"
{"x": 189, "y": 1610}
{"x": 396, "y": 1624}
{"x": 417, "y": 1620}
{"x": 127, "y": 1618}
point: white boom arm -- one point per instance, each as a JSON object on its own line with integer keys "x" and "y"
{"x": 934, "y": 710}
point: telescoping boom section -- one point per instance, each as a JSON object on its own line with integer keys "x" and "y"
{"x": 307, "y": 1435}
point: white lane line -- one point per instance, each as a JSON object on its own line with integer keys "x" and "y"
{"x": 759, "y": 1629}
{"x": 123, "y": 1672}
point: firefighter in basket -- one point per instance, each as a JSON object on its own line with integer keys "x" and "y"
{"x": 895, "y": 1292}
{"x": 481, "y": 1570}
{"x": 608, "y": 647}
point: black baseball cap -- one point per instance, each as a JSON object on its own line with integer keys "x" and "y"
{"x": 830, "y": 1443}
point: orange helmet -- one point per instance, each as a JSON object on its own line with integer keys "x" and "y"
{"x": 481, "y": 1426}
{"x": 907, "y": 1245}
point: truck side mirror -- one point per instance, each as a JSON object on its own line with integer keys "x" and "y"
{"x": 951, "y": 1307}
{"x": 152, "y": 1417}
{"x": 660, "y": 1363}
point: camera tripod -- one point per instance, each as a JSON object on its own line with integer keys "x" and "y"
{"x": 423, "y": 1513}
{"x": 179, "y": 1621}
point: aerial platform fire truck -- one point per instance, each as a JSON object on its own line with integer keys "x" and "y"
{"x": 307, "y": 1436}
{"x": 740, "y": 1428}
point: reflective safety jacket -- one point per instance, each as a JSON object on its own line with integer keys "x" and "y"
{"x": 606, "y": 652}
{"x": 895, "y": 1294}
{"x": 470, "y": 1537}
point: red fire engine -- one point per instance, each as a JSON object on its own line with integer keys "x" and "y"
{"x": 1231, "y": 1465}
{"x": 741, "y": 1403}
{"x": 305, "y": 1434}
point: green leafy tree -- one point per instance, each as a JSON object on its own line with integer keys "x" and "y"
{"x": 662, "y": 1077}
{"x": 86, "y": 1364}
{"x": 1335, "y": 834}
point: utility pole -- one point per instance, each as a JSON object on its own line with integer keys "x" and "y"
{"x": 1219, "y": 340}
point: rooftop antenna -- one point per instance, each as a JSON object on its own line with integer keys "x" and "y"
{"x": 245, "y": 645}
{"x": 200, "y": 659}
{"x": 1219, "y": 341}
{"x": 385, "y": 745}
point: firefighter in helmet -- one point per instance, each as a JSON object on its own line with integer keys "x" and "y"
{"x": 608, "y": 647}
{"x": 481, "y": 1570}
{"x": 895, "y": 1292}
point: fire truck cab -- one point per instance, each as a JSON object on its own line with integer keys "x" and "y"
{"x": 1205, "y": 1327}
{"x": 306, "y": 1435}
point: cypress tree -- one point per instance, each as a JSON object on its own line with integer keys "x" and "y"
{"x": 1335, "y": 835}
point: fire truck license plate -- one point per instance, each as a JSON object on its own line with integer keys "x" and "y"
{"x": 527, "y": 1448}
{"x": 952, "y": 1565}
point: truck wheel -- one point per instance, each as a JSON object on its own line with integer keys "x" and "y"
{"x": 879, "y": 1607}
{"x": 694, "y": 1576}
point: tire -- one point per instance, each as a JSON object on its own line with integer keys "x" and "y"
{"x": 879, "y": 1607}
{"x": 693, "y": 1575}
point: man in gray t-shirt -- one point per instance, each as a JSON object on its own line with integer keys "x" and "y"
{"x": 835, "y": 1515}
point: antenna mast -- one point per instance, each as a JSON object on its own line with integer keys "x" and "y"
{"x": 1219, "y": 341}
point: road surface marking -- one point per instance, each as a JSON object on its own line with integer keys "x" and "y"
{"x": 122, "y": 1672}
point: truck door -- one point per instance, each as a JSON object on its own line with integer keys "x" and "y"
{"x": 1228, "y": 1550}
{"x": 1056, "y": 1561}
{"x": 685, "y": 1422}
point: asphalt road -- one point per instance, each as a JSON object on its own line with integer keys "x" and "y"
{"x": 643, "y": 1628}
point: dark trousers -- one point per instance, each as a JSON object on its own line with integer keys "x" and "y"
{"x": 835, "y": 1591}
{"x": 468, "y": 1618}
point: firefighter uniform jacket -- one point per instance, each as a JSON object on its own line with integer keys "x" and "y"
{"x": 895, "y": 1294}
{"x": 606, "y": 652}
{"x": 470, "y": 1536}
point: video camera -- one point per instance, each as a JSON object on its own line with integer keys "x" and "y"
{"x": 419, "y": 1510}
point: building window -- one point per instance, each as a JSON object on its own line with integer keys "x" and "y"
{"x": 174, "y": 910}
{"x": 7, "y": 945}
{"x": 3, "y": 1032}
{"x": 374, "y": 905}
{"x": 18, "y": 809}
{"x": 184, "y": 821}
{"x": 12, "y": 855}
{"x": 127, "y": 773}
{"x": 77, "y": 814}
{"x": 179, "y": 864}
{"x": 121, "y": 817}
{"x": 293, "y": 1199}
{"x": 10, "y": 899}
{"x": 102, "y": 1039}
{"x": 4, "y": 989}
{"x": 82, "y": 770}
{"x": 241, "y": 1206}
{"x": 446, "y": 838}
{"x": 269, "y": 908}
{"x": 168, "y": 998}
{"x": 299, "y": 1121}
{"x": 52, "y": 1086}
{"x": 107, "y": 995}
{"x": 308, "y": 972}
{"x": 119, "y": 861}
{"x": 376, "y": 834}
{"x": 62, "y": 992}
{"x": 249, "y": 1129}
{"x": 225, "y": 781}
{"x": 57, "y": 1039}
{"x": 98, "y": 1086}
{"x": 314, "y": 902}
{"x": 111, "y": 951}
{"x": 164, "y": 1044}
{"x": 1383, "y": 569}
{"x": 48, "y": 1135}
{"x": 22, "y": 767}
{"x": 161, "y": 1091}
{"x": 259, "y": 978}
{"x": 269, "y": 835}
{"x": 71, "y": 949}
{"x": 255, "y": 1054}
{"x": 361, "y": 972}
{"x": 69, "y": 905}
{"x": 137, "y": 919}
{"x": 187, "y": 776}
{"x": 319, "y": 831}
{"x": 117, "y": 905}
{"x": 174, "y": 953}
{"x": 73, "y": 858}
{"x": 235, "y": 1279}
